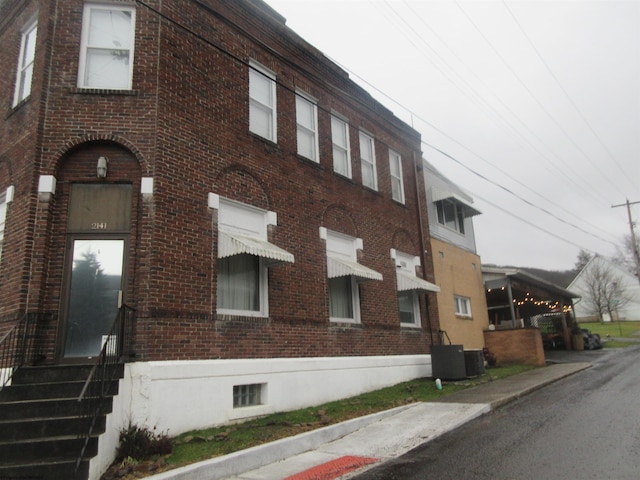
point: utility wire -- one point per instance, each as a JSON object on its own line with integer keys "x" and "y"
{"x": 552, "y": 168}
{"x": 236, "y": 58}
{"x": 510, "y": 192}
{"x": 538, "y": 102}
{"x": 566, "y": 94}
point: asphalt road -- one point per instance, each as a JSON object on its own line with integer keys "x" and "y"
{"x": 584, "y": 427}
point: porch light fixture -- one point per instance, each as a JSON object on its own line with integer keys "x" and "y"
{"x": 102, "y": 167}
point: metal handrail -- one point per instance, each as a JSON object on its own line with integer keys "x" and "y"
{"x": 17, "y": 348}
{"x": 117, "y": 349}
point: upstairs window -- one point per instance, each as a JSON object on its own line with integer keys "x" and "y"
{"x": 368, "y": 161}
{"x": 341, "y": 149}
{"x": 397, "y": 184}
{"x": 25, "y": 63}
{"x": 451, "y": 215}
{"x": 262, "y": 102}
{"x": 307, "y": 127}
{"x": 106, "y": 55}
{"x": 244, "y": 255}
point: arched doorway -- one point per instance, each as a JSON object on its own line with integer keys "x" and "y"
{"x": 95, "y": 231}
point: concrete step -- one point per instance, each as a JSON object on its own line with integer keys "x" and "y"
{"x": 51, "y": 374}
{"x": 35, "y": 391}
{"x": 33, "y": 429}
{"x": 47, "y": 449}
{"x": 58, "y": 469}
{"x": 47, "y": 408}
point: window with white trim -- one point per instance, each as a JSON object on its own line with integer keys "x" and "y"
{"x": 341, "y": 148}
{"x": 368, "y": 161}
{"x": 24, "y": 74}
{"x": 262, "y": 102}
{"x": 106, "y": 53}
{"x": 407, "y": 299}
{"x": 451, "y": 215}
{"x": 462, "y": 306}
{"x": 307, "y": 127}
{"x": 3, "y": 218}
{"x": 397, "y": 183}
{"x": 244, "y": 255}
{"x": 344, "y": 274}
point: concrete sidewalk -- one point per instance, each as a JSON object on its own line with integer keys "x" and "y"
{"x": 335, "y": 451}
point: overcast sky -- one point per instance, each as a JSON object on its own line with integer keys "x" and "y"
{"x": 532, "y": 107}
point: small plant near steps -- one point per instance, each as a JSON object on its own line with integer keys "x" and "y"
{"x": 141, "y": 452}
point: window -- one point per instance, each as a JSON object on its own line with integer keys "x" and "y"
{"x": 462, "y": 306}
{"x": 307, "y": 120}
{"x": 344, "y": 273}
{"x": 262, "y": 102}
{"x": 409, "y": 286}
{"x": 25, "y": 63}
{"x": 407, "y": 298}
{"x": 106, "y": 55}
{"x": 244, "y": 255}
{"x": 368, "y": 161}
{"x": 239, "y": 283}
{"x": 3, "y": 217}
{"x": 397, "y": 184}
{"x": 341, "y": 149}
{"x": 247, "y": 395}
{"x": 451, "y": 215}
{"x": 408, "y": 302}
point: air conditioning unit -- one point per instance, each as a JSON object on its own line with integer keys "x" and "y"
{"x": 447, "y": 362}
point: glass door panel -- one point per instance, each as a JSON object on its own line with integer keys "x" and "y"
{"x": 96, "y": 283}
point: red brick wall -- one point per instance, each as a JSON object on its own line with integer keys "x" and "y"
{"x": 185, "y": 123}
{"x": 519, "y": 346}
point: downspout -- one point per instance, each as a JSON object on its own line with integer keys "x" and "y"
{"x": 423, "y": 258}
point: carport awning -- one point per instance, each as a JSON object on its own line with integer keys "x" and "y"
{"x": 408, "y": 282}
{"x": 230, "y": 244}
{"x": 341, "y": 267}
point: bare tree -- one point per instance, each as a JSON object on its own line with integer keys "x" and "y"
{"x": 625, "y": 254}
{"x": 604, "y": 291}
{"x": 583, "y": 258}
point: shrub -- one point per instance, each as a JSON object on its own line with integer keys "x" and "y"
{"x": 140, "y": 442}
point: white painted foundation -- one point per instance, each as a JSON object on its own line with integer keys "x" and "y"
{"x": 173, "y": 397}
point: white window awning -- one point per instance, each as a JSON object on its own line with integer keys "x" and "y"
{"x": 341, "y": 267}
{"x": 230, "y": 244}
{"x": 438, "y": 195}
{"x": 408, "y": 282}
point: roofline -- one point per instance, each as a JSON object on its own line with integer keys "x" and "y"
{"x": 523, "y": 275}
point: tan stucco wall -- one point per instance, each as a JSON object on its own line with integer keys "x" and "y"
{"x": 458, "y": 272}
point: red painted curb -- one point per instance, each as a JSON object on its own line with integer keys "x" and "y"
{"x": 333, "y": 469}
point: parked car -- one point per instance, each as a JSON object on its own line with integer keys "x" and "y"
{"x": 592, "y": 341}
{"x": 552, "y": 341}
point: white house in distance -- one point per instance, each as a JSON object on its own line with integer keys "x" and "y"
{"x": 629, "y": 285}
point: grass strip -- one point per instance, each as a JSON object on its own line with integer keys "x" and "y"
{"x": 199, "y": 445}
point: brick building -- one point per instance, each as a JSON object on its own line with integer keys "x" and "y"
{"x": 201, "y": 163}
